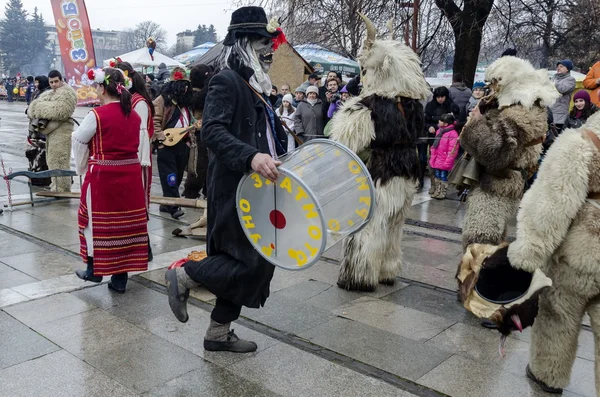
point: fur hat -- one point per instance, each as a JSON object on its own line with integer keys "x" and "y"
{"x": 312, "y": 88}
{"x": 287, "y": 98}
{"x": 582, "y": 94}
{"x": 519, "y": 83}
{"x": 301, "y": 89}
{"x": 250, "y": 21}
{"x": 390, "y": 68}
{"x": 567, "y": 63}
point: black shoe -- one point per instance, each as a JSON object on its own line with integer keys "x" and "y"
{"x": 177, "y": 299}
{"x": 150, "y": 256}
{"x": 542, "y": 385}
{"x": 82, "y": 274}
{"x": 164, "y": 208}
{"x": 117, "y": 290}
{"x": 177, "y": 214}
{"x": 232, "y": 344}
{"x": 488, "y": 324}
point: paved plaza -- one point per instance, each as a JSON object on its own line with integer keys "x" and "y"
{"x": 60, "y": 336}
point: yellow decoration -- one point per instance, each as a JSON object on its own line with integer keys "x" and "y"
{"x": 286, "y": 184}
{"x": 314, "y": 232}
{"x": 354, "y": 167}
{"x": 333, "y": 225}
{"x": 310, "y": 211}
{"x": 255, "y": 237}
{"x": 245, "y": 205}
{"x": 298, "y": 255}
{"x": 301, "y": 194}
{"x": 248, "y": 222}
{"x": 256, "y": 178}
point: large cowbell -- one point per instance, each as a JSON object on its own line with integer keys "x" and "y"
{"x": 324, "y": 193}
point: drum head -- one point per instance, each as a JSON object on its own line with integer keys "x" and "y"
{"x": 283, "y": 221}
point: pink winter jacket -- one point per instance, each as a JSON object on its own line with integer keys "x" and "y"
{"x": 442, "y": 157}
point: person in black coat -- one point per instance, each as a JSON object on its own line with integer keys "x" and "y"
{"x": 236, "y": 132}
{"x": 440, "y": 104}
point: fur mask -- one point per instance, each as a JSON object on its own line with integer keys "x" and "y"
{"x": 518, "y": 82}
{"x": 390, "y": 68}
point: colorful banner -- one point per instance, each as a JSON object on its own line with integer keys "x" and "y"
{"x": 76, "y": 46}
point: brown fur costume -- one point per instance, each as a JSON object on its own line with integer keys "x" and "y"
{"x": 505, "y": 142}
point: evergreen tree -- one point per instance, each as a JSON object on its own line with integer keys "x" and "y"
{"x": 13, "y": 35}
{"x": 205, "y": 34}
{"x": 38, "y": 46}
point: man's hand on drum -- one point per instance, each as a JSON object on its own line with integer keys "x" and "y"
{"x": 265, "y": 166}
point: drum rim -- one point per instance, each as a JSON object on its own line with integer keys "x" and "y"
{"x": 312, "y": 195}
{"x": 363, "y": 166}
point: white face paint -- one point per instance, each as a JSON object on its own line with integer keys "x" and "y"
{"x": 264, "y": 51}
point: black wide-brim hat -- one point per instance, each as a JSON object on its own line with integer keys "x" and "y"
{"x": 248, "y": 21}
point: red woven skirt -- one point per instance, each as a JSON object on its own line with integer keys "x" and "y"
{"x": 119, "y": 217}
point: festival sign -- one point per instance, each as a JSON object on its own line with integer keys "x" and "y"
{"x": 323, "y": 194}
{"x": 76, "y": 46}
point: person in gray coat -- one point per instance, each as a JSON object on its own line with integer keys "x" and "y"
{"x": 565, "y": 84}
{"x": 459, "y": 92}
{"x": 308, "y": 120}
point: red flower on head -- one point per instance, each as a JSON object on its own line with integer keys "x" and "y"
{"x": 279, "y": 40}
{"x": 178, "y": 76}
{"x": 112, "y": 64}
{"x": 91, "y": 75}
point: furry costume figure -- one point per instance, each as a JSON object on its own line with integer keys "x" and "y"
{"x": 506, "y": 140}
{"x": 384, "y": 119}
{"x": 558, "y": 231}
{"x": 58, "y": 107}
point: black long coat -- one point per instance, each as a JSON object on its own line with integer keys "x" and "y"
{"x": 234, "y": 128}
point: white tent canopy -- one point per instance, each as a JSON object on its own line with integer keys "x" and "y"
{"x": 141, "y": 59}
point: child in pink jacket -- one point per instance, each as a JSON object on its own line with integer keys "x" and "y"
{"x": 444, "y": 151}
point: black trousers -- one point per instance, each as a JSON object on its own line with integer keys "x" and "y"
{"x": 225, "y": 311}
{"x": 172, "y": 162}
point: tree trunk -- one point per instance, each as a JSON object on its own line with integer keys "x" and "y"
{"x": 466, "y": 54}
{"x": 467, "y": 25}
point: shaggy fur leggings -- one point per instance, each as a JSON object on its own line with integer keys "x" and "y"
{"x": 556, "y": 329}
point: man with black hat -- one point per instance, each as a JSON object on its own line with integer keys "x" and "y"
{"x": 240, "y": 139}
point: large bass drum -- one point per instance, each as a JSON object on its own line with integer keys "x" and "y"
{"x": 324, "y": 193}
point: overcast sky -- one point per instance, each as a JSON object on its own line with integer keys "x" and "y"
{"x": 173, "y": 15}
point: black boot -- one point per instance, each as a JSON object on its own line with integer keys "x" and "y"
{"x": 178, "y": 296}
{"x": 118, "y": 283}
{"x": 231, "y": 342}
{"x": 150, "y": 256}
{"x": 88, "y": 274}
{"x": 542, "y": 385}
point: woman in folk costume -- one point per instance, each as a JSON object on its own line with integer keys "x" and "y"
{"x": 112, "y": 213}
{"x": 504, "y": 134}
{"x": 141, "y": 103}
{"x": 384, "y": 122}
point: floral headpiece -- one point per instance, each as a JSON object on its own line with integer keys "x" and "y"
{"x": 279, "y": 39}
{"x": 115, "y": 62}
{"x": 99, "y": 76}
{"x": 273, "y": 25}
{"x": 178, "y": 75}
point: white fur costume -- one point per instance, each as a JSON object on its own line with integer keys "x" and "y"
{"x": 558, "y": 231}
{"x": 385, "y": 119}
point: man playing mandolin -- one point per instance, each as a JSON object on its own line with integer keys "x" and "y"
{"x": 172, "y": 112}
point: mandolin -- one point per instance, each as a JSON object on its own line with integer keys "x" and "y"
{"x": 174, "y": 135}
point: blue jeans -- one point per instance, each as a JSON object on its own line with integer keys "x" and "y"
{"x": 443, "y": 175}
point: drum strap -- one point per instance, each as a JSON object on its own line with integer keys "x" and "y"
{"x": 298, "y": 141}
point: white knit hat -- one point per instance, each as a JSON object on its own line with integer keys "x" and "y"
{"x": 312, "y": 88}
{"x": 288, "y": 98}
